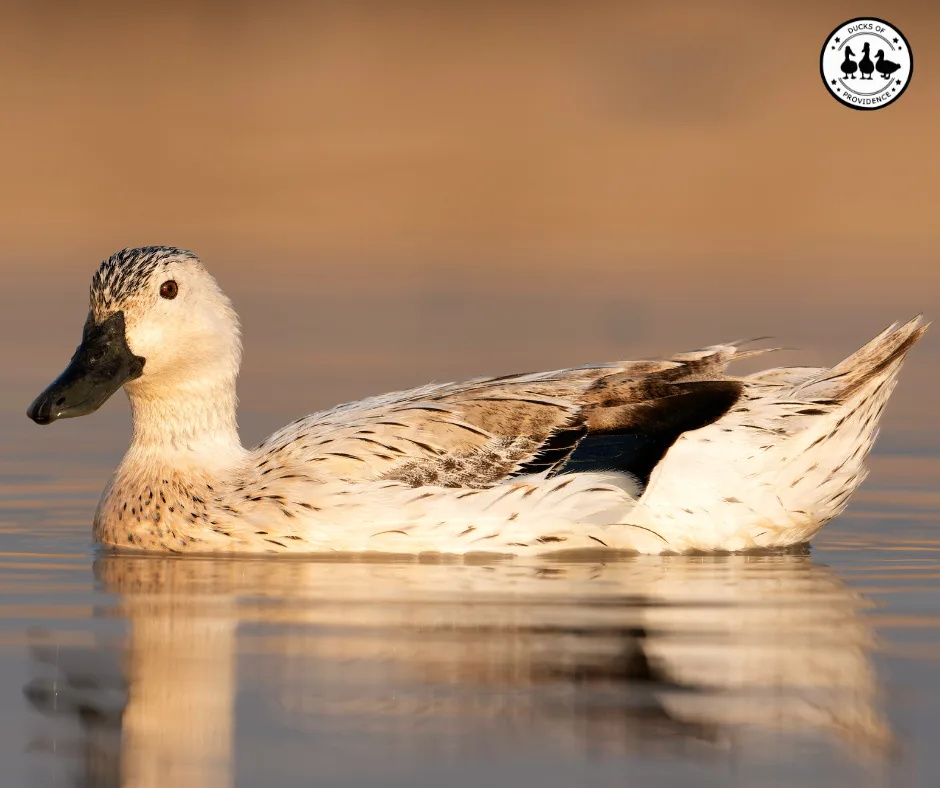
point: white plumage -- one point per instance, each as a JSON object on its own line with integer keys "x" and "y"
{"x": 670, "y": 455}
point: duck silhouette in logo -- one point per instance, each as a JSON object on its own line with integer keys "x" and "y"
{"x": 885, "y": 67}
{"x": 865, "y": 65}
{"x": 849, "y": 66}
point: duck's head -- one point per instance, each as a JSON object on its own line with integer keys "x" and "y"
{"x": 158, "y": 324}
{"x": 849, "y": 51}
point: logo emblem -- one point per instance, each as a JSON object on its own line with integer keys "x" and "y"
{"x": 866, "y": 63}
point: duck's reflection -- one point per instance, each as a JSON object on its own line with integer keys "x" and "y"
{"x": 621, "y": 656}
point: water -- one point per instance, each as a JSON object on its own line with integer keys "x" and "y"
{"x": 818, "y": 668}
{"x": 395, "y": 193}
{"x": 821, "y": 667}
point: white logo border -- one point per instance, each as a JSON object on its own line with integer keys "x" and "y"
{"x": 825, "y": 79}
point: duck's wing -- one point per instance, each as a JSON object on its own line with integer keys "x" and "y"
{"x": 480, "y": 432}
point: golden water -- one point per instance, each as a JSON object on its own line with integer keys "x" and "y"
{"x": 819, "y": 668}
{"x": 399, "y": 192}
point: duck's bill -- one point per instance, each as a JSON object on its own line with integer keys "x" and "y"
{"x": 101, "y": 365}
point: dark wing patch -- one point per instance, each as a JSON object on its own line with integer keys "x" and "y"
{"x": 633, "y": 438}
{"x": 655, "y": 407}
{"x": 633, "y": 454}
{"x": 553, "y": 453}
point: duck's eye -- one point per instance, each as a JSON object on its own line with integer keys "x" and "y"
{"x": 98, "y": 355}
{"x": 169, "y": 289}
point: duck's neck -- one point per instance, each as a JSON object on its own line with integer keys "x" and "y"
{"x": 192, "y": 423}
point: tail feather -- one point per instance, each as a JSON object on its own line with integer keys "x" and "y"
{"x": 885, "y": 352}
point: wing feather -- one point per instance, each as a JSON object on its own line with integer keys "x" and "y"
{"x": 479, "y": 432}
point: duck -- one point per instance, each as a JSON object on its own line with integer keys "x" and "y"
{"x": 885, "y": 67}
{"x": 849, "y": 66}
{"x": 670, "y": 455}
{"x": 865, "y": 65}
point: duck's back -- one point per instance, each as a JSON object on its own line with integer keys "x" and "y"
{"x": 482, "y": 432}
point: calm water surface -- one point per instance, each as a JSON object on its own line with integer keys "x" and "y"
{"x": 815, "y": 669}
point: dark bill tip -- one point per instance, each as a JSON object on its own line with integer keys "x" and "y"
{"x": 40, "y": 410}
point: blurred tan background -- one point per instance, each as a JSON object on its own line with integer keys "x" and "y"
{"x": 394, "y": 192}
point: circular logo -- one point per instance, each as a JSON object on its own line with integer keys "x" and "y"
{"x": 866, "y": 63}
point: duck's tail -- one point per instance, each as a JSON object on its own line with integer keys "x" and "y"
{"x": 782, "y": 462}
